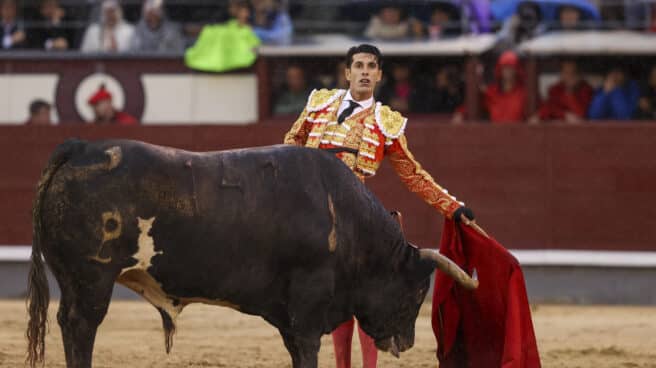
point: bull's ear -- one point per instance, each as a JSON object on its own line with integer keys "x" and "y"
{"x": 447, "y": 266}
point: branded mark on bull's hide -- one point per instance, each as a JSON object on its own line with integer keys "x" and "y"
{"x": 112, "y": 225}
{"x": 115, "y": 155}
{"x": 112, "y": 159}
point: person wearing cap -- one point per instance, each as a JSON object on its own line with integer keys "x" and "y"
{"x": 112, "y": 34}
{"x": 104, "y": 110}
{"x": 155, "y": 33}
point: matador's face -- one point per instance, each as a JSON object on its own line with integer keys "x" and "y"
{"x": 363, "y": 74}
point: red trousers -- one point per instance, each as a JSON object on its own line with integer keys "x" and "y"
{"x": 342, "y": 337}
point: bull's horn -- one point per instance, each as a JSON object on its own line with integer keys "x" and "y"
{"x": 447, "y": 266}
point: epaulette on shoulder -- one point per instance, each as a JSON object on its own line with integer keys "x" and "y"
{"x": 321, "y": 98}
{"x": 390, "y": 122}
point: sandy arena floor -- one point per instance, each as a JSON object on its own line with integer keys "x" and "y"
{"x": 131, "y": 336}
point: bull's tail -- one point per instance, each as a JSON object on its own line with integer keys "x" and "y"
{"x": 38, "y": 295}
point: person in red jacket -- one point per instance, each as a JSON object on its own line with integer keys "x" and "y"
{"x": 105, "y": 112}
{"x": 568, "y": 100}
{"x": 504, "y": 101}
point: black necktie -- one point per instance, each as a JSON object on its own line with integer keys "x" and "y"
{"x": 348, "y": 111}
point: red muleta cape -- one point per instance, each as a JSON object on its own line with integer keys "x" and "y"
{"x": 491, "y": 326}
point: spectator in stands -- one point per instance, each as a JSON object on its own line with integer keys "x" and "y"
{"x": 617, "y": 99}
{"x": 522, "y": 26}
{"x": 271, "y": 22}
{"x": 112, "y": 34}
{"x": 443, "y": 95}
{"x": 240, "y": 11}
{"x": 154, "y": 32}
{"x": 478, "y": 14}
{"x": 612, "y": 16}
{"x": 294, "y": 98}
{"x": 396, "y": 90}
{"x": 569, "y": 19}
{"x": 504, "y": 100}
{"x": 39, "y": 113}
{"x": 568, "y": 100}
{"x": 13, "y": 31}
{"x": 647, "y": 103}
{"x": 340, "y": 77}
{"x": 390, "y": 25}
{"x": 442, "y": 24}
{"x": 105, "y": 112}
{"x": 50, "y": 33}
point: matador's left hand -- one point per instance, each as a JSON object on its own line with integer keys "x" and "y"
{"x": 462, "y": 210}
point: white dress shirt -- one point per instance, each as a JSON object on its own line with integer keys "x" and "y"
{"x": 363, "y": 104}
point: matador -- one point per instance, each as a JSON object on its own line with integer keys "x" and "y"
{"x": 361, "y": 132}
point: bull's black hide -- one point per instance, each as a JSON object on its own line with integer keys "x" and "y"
{"x": 286, "y": 233}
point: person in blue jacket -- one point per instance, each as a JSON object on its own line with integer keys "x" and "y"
{"x": 271, "y": 22}
{"x": 617, "y": 99}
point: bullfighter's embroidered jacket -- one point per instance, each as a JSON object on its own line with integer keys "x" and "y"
{"x": 374, "y": 133}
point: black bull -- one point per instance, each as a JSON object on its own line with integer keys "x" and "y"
{"x": 285, "y": 233}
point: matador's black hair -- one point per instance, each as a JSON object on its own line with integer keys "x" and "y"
{"x": 366, "y": 49}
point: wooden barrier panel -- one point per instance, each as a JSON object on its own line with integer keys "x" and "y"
{"x": 532, "y": 187}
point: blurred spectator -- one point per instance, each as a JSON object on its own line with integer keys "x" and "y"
{"x": 525, "y": 24}
{"x": 396, "y": 90}
{"x": 390, "y": 25}
{"x": 442, "y": 24}
{"x": 612, "y": 16}
{"x": 617, "y": 99}
{"x": 271, "y": 22}
{"x": 294, "y": 97}
{"x": 154, "y": 32}
{"x": 240, "y": 11}
{"x": 39, "y": 113}
{"x": 647, "y": 103}
{"x": 504, "y": 100}
{"x": 50, "y": 33}
{"x": 443, "y": 95}
{"x": 477, "y": 14}
{"x": 225, "y": 46}
{"x": 111, "y": 34}
{"x": 569, "y": 19}
{"x": 568, "y": 99}
{"x": 105, "y": 112}
{"x": 340, "y": 76}
{"x": 13, "y": 31}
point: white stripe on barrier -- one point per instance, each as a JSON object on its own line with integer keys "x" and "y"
{"x": 534, "y": 257}
{"x": 15, "y": 253}
{"x": 591, "y": 258}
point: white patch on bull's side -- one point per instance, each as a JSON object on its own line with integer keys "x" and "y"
{"x": 138, "y": 279}
{"x": 143, "y": 283}
{"x": 145, "y": 246}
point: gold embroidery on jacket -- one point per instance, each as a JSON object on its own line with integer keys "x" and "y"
{"x": 391, "y": 123}
{"x": 419, "y": 181}
{"x": 322, "y": 98}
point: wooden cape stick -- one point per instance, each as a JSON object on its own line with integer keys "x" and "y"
{"x": 473, "y": 225}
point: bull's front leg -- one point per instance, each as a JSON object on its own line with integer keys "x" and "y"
{"x": 304, "y": 350}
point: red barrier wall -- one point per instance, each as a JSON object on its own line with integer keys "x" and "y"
{"x": 585, "y": 187}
